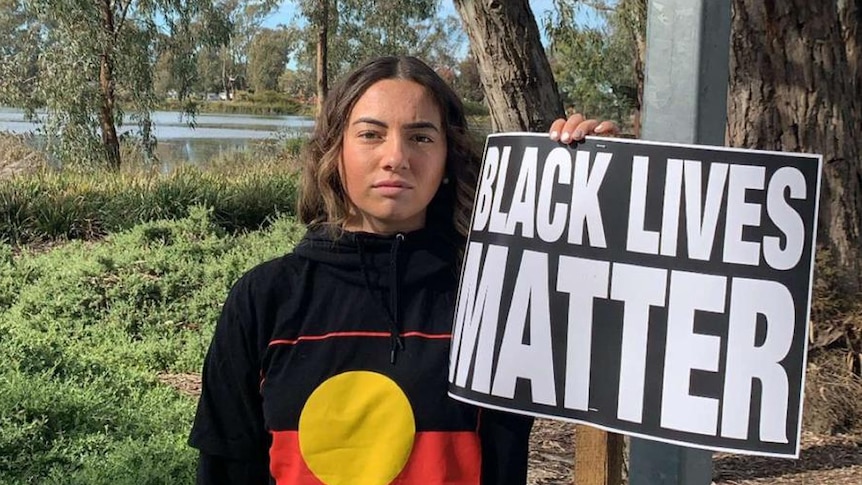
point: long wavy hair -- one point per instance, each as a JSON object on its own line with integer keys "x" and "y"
{"x": 323, "y": 199}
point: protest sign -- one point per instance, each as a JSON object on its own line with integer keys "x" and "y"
{"x": 657, "y": 290}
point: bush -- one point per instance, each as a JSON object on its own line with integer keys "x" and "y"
{"x": 86, "y": 338}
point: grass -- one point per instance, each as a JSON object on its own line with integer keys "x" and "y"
{"x": 68, "y": 206}
{"x": 17, "y": 155}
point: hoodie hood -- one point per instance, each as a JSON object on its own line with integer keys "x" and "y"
{"x": 420, "y": 255}
{"x": 388, "y": 267}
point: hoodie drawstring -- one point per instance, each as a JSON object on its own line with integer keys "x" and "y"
{"x": 396, "y": 343}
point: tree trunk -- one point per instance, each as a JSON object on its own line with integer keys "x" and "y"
{"x": 110, "y": 141}
{"x": 515, "y": 73}
{"x": 791, "y": 89}
{"x": 322, "y": 53}
{"x": 850, "y": 16}
{"x": 225, "y": 53}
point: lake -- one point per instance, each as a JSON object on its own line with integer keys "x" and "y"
{"x": 213, "y": 133}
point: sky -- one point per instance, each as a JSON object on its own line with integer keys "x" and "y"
{"x": 286, "y": 14}
{"x": 287, "y": 11}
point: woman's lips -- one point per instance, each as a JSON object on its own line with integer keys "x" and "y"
{"x": 391, "y": 187}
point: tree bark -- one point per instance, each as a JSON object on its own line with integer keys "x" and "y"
{"x": 515, "y": 73}
{"x": 850, "y": 16}
{"x": 791, "y": 89}
{"x": 110, "y": 140}
{"x": 322, "y": 53}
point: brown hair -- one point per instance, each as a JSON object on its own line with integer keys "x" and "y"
{"x": 322, "y": 198}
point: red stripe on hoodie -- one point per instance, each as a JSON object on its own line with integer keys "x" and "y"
{"x": 437, "y": 458}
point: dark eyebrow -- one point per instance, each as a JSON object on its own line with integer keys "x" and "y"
{"x": 410, "y": 126}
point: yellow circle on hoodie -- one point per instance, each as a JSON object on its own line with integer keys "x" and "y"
{"x": 356, "y": 428}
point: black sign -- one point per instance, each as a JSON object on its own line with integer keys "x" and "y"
{"x": 657, "y": 290}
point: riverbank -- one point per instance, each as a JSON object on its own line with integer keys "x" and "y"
{"x": 260, "y": 106}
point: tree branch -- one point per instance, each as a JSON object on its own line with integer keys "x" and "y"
{"x": 122, "y": 18}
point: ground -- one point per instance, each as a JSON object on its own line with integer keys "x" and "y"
{"x": 825, "y": 460}
{"x": 831, "y": 439}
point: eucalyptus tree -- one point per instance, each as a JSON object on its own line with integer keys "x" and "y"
{"x": 268, "y": 56}
{"x": 211, "y": 68}
{"x": 319, "y": 16}
{"x": 246, "y": 18}
{"x": 467, "y": 83}
{"x": 597, "y": 50}
{"x": 349, "y": 31}
{"x": 519, "y": 84}
{"x": 18, "y": 52}
{"x": 366, "y": 29}
{"x": 96, "y": 62}
{"x": 796, "y": 85}
{"x": 439, "y": 42}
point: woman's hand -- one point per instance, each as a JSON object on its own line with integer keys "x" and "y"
{"x": 577, "y": 127}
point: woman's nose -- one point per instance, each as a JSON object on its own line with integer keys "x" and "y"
{"x": 396, "y": 156}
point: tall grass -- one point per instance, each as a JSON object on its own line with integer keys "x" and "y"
{"x": 87, "y": 328}
{"x": 66, "y": 205}
{"x": 17, "y": 155}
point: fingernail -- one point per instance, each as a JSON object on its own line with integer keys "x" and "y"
{"x": 555, "y": 135}
{"x": 565, "y": 137}
{"x": 599, "y": 129}
{"x": 579, "y": 134}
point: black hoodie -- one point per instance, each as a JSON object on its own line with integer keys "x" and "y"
{"x": 329, "y": 366}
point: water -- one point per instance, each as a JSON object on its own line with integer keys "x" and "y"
{"x": 211, "y": 135}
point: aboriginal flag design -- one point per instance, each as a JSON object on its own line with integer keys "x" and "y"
{"x": 336, "y": 423}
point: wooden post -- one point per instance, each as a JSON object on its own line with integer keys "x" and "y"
{"x": 598, "y": 457}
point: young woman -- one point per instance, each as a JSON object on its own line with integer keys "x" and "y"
{"x": 329, "y": 365}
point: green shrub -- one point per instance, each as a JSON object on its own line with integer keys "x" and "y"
{"x": 86, "y": 328}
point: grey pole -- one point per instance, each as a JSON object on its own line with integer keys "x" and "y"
{"x": 685, "y": 101}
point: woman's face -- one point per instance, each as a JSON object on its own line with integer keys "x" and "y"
{"x": 393, "y": 157}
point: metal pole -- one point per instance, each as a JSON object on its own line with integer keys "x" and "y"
{"x": 685, "y": 101}
{"x": 687, "y": 57}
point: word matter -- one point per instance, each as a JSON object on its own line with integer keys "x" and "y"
{"x": 495, "y": 369}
